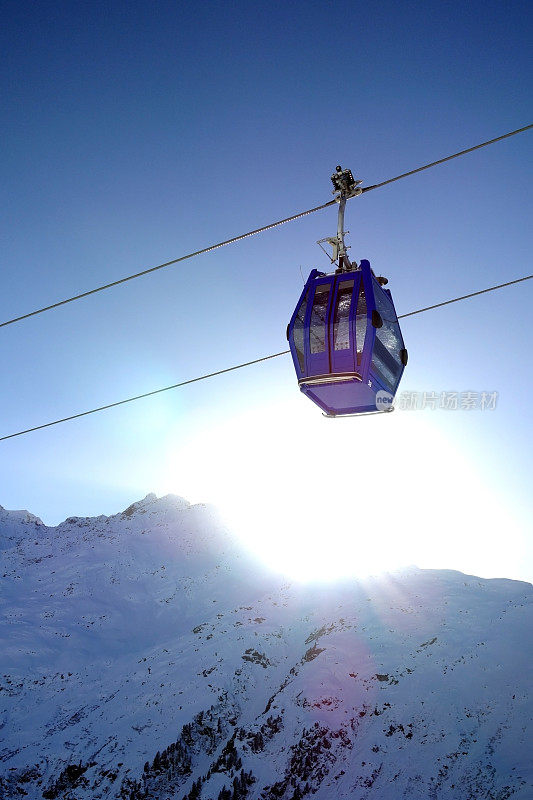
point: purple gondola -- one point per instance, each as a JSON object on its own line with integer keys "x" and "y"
{"x": 345, "y": 340}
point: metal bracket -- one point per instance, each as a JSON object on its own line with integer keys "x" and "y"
{"x": 333, "y": 241}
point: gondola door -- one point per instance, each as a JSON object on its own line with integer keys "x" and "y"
{"x": 342, "y": 324}
{"x": 317, "y": 318}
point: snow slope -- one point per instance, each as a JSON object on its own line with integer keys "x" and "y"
{"x": 145, "y": 655}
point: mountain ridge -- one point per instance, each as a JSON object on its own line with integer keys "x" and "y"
{"x": 145, "y": 655}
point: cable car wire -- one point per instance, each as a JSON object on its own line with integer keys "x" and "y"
{"x": 239, "y": 366}
{"x": 250, "y": 233}
{"x": 465, "y": 296}
{"x": 166, "y": 264}
{"x": 146, "y": 394}
{"x": 448, "y": 158}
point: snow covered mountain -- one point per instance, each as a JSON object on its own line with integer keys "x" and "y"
{"x": 145, "y": 655}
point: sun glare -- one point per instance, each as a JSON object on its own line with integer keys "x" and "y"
{"x": 320, "y": 499}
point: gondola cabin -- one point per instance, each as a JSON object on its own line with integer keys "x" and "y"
{"x": 346, "y": 342}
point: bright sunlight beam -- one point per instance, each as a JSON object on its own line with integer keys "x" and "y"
{"x": 355, "y": 496}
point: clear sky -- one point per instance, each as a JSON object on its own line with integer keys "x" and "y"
{"x": 137, "y": 132}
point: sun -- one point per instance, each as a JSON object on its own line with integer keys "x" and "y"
{"x": 320, "y": 500}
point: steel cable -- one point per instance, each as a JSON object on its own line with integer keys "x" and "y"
{"x": 240, "y": 366}
{"x": 249, "y": 233}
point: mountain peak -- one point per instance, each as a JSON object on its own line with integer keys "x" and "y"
{"x": 154, "y": 504}
{"x": 19, "y": 516}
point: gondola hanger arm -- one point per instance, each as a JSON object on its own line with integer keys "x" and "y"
{"x": 345, "y": 186}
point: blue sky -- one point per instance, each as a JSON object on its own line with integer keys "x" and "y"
{"x": 134, "y": 133}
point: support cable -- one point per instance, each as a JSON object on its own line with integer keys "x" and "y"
{"x": 166, "y": 264}
{"x": 240, "y": 366}
{"x": 250, "y": 233}
{"x": 448, "y": 158}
